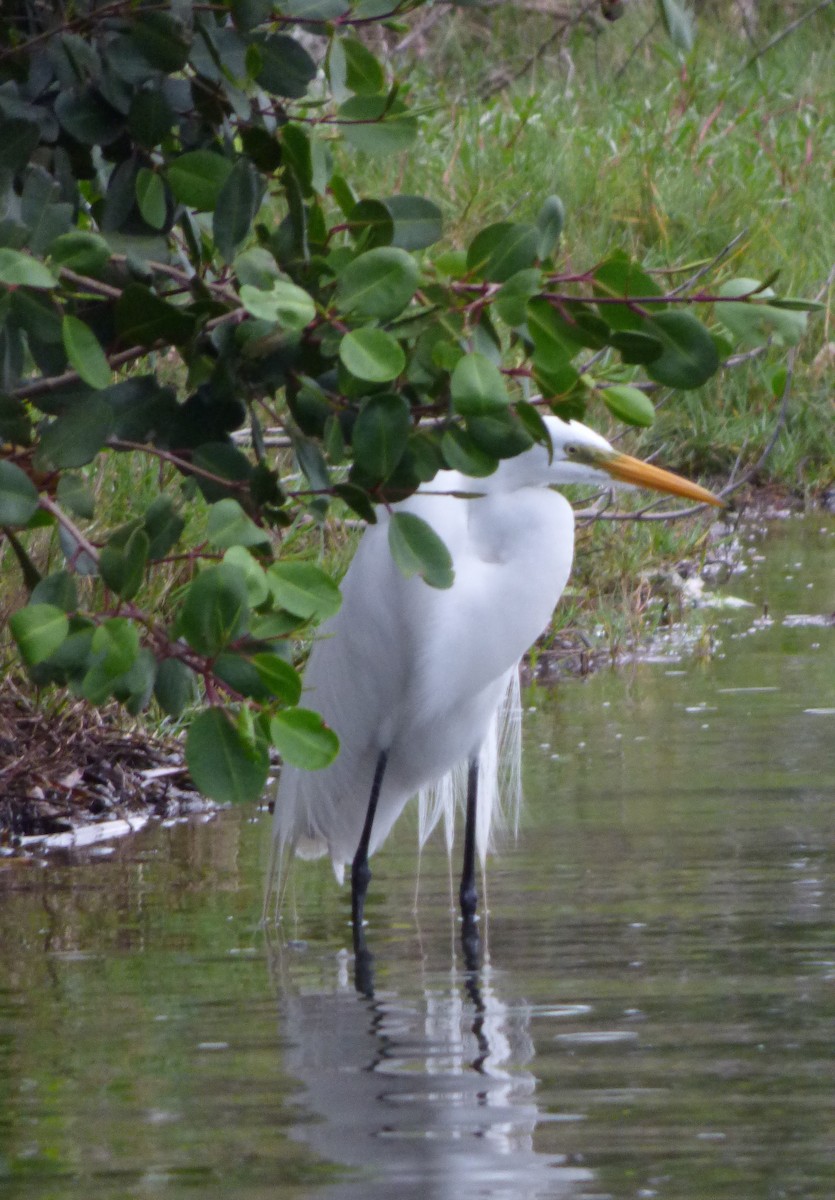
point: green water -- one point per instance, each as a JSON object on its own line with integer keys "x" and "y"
{"x": 656, "y": 1016}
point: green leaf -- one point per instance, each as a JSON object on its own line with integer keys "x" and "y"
{"x": 73, "y": 494}
{"x": 225, "y": 765}
{"x": 77, "y": 435}
{"x": 159, "y": 39}
{"x": 278, "y": 677}
{"x": 122, "y": 567}
{"x": 150, "y": 197}
{"x": 417, "y": 550}
{"x": 315, "y": 10}
{"x": 462, "y": 453}
{"x": 81, "y": 251}
{"x": 373, "y": 124}
{"x": 754, "y": 321}
{"x": 229, "y": 525}
{"x": 87, "y": 117}
{"x": 689, "y": 357}
{"x": 163, "y": 525}
{"x": 304, "y": 589}
{"x": 418, "y": 222}
{"x": 116, "y": 645}
{"x": 512, "y": 299}
{"x": 379, "y": 283}
{"x": 21, "y": 270}
{"x": 289, "y": 306}
{"x": 216, "y": 609}
{"x": 197, "y": 178}
{"x": 143, "y": 318}
{"x": 380, "y": 435}
{"x": 18, "y": 138}
{"x": 363, "y": 73}
{"x": 499, "y": 434}
{"x": 303, "y": 739}
{"x": 477, "y": 387}
{"x": 15, "y": 421}
{"x": 549, "y": 224}
{"x": 500, "y": 250}
{"x": 38, "y": 629}
{"x": 150, "y": 118}
{"x": 85, "y": 353}
{"x": 371, "y": 224}
{"x": 285, "y": 67}
{"x": 679, "y": 24}
{"x": 18, "y": 495}
{"x": 237, "y": 203}
{"x": 57, "y": 589}
{"x": 628, "y": 404}
{"x": 174, "y": 686}
{"x": 134, "y": 687}
{"x": 620, "y": 276}
{"x": 255, "y": 577}
{"x": 372, "y": 355}
{"x": 635, "y": 346}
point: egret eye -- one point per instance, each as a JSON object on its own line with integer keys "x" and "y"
{"x": 571, "y": 451}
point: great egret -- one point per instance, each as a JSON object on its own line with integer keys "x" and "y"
{"x": 411, "y": 677}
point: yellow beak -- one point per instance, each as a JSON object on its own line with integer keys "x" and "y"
{"x": 626, "y": 469}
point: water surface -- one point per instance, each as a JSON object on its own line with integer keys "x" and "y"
{"x": 655, "y": 1013}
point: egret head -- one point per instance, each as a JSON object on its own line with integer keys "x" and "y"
{"x": 582, "y": 456}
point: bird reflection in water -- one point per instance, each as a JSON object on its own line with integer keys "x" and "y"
{"x": 420, "y": 1096}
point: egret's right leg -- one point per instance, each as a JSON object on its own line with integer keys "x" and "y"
{"x": 360, "y": 870}
{"x": 467, "y": 892}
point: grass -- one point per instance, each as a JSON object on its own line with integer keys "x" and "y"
{"x": 669, "y": 162}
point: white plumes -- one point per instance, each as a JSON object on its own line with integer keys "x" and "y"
{"x": 499, "y": 781}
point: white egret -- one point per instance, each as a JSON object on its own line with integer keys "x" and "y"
{"x": 411, "y": 677}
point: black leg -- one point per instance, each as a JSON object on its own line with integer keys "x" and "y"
{"x": 467, "y": 893}
{"x": 360, "y": 870}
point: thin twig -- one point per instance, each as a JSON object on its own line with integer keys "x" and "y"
{"x": 83, "y": 543}
{"x": 783, "y": 34}
{"x": 646, "y": 34}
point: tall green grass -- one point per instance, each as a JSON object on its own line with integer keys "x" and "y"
{"x": 669, "y": 159}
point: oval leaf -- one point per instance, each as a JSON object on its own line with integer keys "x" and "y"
{"x": 628, "y": 404}
{"x": 196, "y": 178}
{"x": 38, "y": 629}
{"x": 477, "y": 387}
{"x": 417, "y": 550}
{"x": 85, "y": 353}
{"x": 379, "y": 283}
{"x": 304, "y": 589}
{"x": 372, "y": 355}
{"x": 418, "y": 222}
{"x": 18, "y": 495}
{"x": 223, "y": 764}
{"x": 21, "y": 270}
{"x": 688, "y": 357}
{"x": 289, "y": 306}
{"x": 230, "y": 526}
{"x": 215, "y": 610}
{"x": 278, "y": 677}
{"x": 380, "y": 435}
{"x": 303, "y": 739}
{"x": 501, "y": 250}
{"x": 75, "y": 438}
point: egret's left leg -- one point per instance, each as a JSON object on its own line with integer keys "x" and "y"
{"x": 467, "y": 893}
{"x": 360, "y": 870}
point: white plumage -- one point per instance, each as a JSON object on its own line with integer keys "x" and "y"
{"x": 427, "y": 676}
